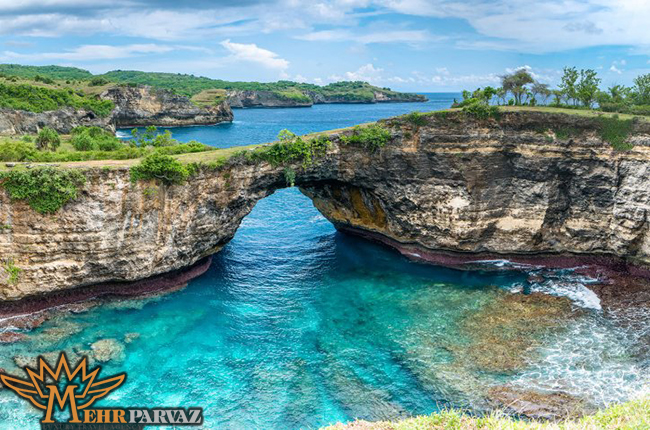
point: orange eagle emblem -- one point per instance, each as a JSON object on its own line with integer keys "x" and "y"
{"x": 43, "y": 388}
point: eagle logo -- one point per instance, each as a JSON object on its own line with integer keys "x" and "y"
{"x": 45, "y": 389}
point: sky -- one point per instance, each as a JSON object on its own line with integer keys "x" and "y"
{"x": 410, "y": 45}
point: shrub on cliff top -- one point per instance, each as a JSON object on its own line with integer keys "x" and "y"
{"x": 161, "y": 167}
{"x": 45, "y": 189}
{"x": 94, "y": 138}
{"x": 288, "y": 149}
{"x": 481, "y": 110}
{"x": 48, "y": 138}
{"x": 371, "y": 137}
{"x": 615, "y": 131}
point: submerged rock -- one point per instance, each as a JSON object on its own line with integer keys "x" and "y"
{"x": 11, "y": 336}
{"x": 107, "y": 349}
{"x": 130, "y": 337}
{"x": 538, "y": 405}
{"x": 503, "y": 332}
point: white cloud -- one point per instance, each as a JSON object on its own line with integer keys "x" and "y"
{"x": 617, "y": 66}
{"x": 391, "y": 36}
{"x": 368, "y": 73}
{"x": 251, "y": 53}
{"x": 94, "y": 52}
{"x": 549, "y": 26}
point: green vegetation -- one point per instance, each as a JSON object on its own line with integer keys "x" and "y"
{"x": 290, "y": 176}
{"x": 289, "y": 148}
{"x": 151, "y": 137}
{"x": 161, "y": 167}
{"x": 93, "y": 139}
{"x": 191, "y": 85}
{"x": 481, "y": 110}
{"x": 45, "y": 189}
{"x": 632, "y": 415}
{"x": 615, "y": 131}
{"x": 207, "y": 98}
{"x": 416, "y": 119}
{"x": 195, "y": 86}
{"x": 371, "y": 137}
{"x": 564, "y": 133}
{"x": 93, "y": 143}
{"x": 52, "y": 72}
{"x": 12, "y": 271}
{"x": 579, "y": 89}
{"x": 40, "y": 99}
{"x": 48, "y": 138}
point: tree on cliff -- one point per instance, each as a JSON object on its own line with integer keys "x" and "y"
{"x": 516, "y": 83}
{"x": 587, "y": 88}
{"x": 642, "y": 89}
{"x": 568, "y": 85}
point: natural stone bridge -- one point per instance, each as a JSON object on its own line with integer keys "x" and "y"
{"x": 444, "y": 192}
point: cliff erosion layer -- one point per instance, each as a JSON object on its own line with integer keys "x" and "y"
{"x": 14, "y": 122}
{"x": 260, "y": 98}
{"x": 528, "y": 184}
{"x": 144, "y": 105}
{"x": 134, "y": 106}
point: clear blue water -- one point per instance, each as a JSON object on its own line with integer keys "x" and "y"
{"x": 263, "y": 125}
{"x": 298, "y": 326}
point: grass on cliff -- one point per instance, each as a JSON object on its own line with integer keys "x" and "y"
{"x": 45, "y": 189}
{"x": 40, "y": 99}
{"x": 91, "y": 143}
{"x": 632, "y": 415}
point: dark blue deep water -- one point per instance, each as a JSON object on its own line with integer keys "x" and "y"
{"x": 298, "y": 326}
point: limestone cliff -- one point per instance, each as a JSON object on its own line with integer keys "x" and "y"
{"x": 250, "y": 98}
{"x": 526, "y": 184}
{"x": 134, "y": 106}
{"x": 144, "y": 105}
{"x": 14, "y": 122}
{"x": 306, "y": 98}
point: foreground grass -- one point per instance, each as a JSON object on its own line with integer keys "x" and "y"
{"x": 634, "y": 414}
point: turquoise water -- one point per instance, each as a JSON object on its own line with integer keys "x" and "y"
{"x": 298, "y": 326}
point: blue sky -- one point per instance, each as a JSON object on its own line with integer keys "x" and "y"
{"x": 420, "y": 45}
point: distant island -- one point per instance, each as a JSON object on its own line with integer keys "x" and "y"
{"x": 204, "y": 91}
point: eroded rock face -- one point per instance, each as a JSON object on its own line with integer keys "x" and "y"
{"x": 248, "y": 98}
{"x": 504, "y": 187}
{"x": 14, "y": 122}
{"x": 144, "y": 105}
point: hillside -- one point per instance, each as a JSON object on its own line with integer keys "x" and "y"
{"x": 240, "y": 94}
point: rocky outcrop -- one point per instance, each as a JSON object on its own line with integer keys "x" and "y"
{"x": 134, "y": 106}
{"x": 144, "y": 105}
{"x": 14, "y": 122}
{"x": 249, "y": 98}
{"x": 254, "y": 98}
{"x": 458, "y": 187}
